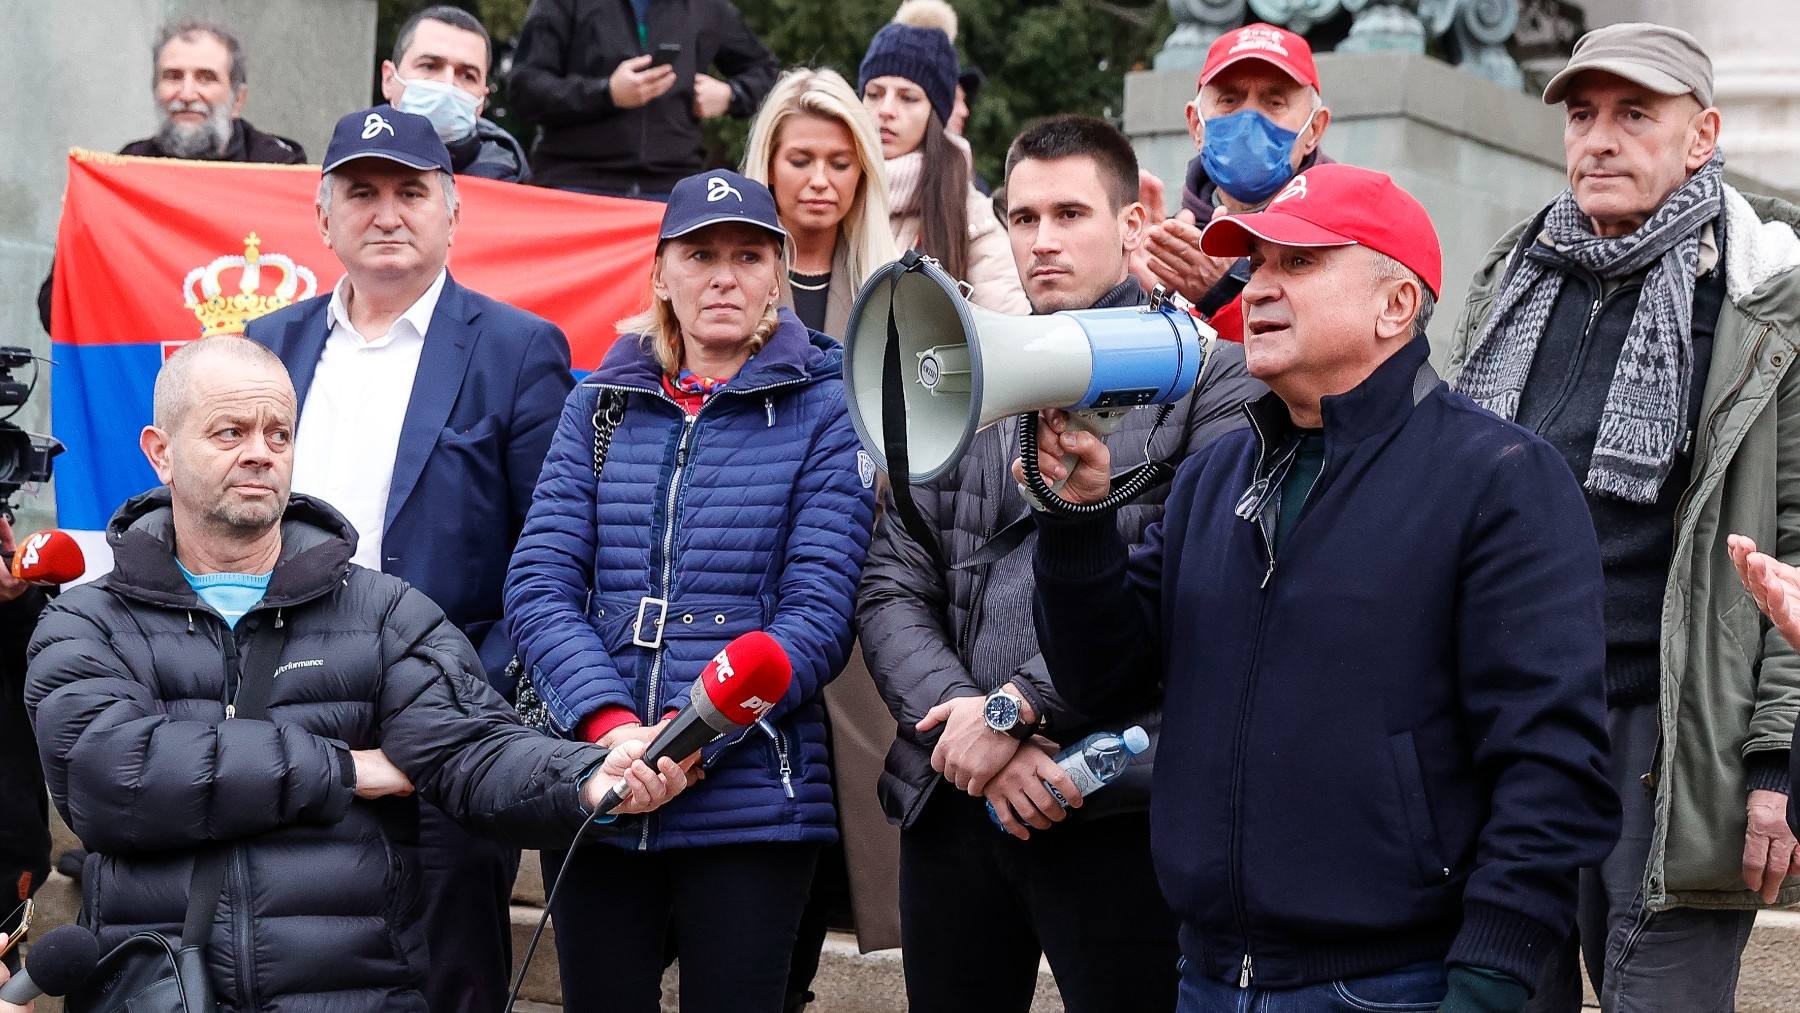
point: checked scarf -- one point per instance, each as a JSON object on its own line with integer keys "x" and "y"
{"x": 1647, "y": 404}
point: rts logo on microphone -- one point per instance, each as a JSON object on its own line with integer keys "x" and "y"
{"x": 722, "y": 664}
{"x": 757, "y": 705}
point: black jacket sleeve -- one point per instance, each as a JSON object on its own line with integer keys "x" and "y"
{"x": 545, "y": 87}
{"x": 748, "y": 65}
{"x": 462, "y": 746}
{"x": 1215, "y": 409}
{"x": 1098, "y": 605}
{"x": 901, "y": 612}
{"x": 128, "y": 778}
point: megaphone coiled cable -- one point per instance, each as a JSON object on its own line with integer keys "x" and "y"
{"x": 1126, "y": 487}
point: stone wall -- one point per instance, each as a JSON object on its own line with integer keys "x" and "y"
{"x": 85, "y": 73}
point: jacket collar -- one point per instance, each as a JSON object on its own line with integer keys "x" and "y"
{"x": 793, "y": 354}
{"x": 1380, "y": 403}
{"x": 316, "y": 546}
{"x": 1762, "y": 247}
{"x": 1129, "y": 292}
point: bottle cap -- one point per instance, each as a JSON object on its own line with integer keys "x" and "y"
{"x": 1135, "y": 740}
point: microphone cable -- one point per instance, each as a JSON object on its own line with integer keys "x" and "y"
{"x": 538, "y": 933}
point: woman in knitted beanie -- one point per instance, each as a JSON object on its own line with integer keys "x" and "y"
{"x": 908, "y": 82}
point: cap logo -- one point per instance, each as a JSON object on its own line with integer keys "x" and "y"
{"x": 1255, "y": 37}
{"x": 718, "y": 188}
{"x": 1296, "y": 188}
{"x": 373, "y": 124}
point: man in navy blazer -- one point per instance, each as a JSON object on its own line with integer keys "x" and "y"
{"x": 425, "y": 413}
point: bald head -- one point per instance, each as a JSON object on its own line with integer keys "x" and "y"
{"x": 181, "y": 380}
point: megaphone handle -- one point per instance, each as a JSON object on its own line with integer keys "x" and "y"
{"x": 1100, "y": 423}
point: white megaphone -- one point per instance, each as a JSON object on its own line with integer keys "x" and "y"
{"x": 960, "y": 368}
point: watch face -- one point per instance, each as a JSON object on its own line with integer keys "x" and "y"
{"x": 1001, "y": 712}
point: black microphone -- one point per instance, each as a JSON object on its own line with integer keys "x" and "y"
{"x": 63, "y": 959}
{"x": 738, "y": 686}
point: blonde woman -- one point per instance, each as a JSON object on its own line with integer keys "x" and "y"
{"x": 815, "y": 147}
{"x": 728, "y": 498}
{"x": 908, "y": 84}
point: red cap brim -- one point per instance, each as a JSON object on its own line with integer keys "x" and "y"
{"x": 1230, "y": 236}
{"x": 1282, "y": 65}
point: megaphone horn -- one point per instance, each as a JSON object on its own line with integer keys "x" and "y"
{"x": 962, "y": 368}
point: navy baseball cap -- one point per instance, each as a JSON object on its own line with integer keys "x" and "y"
{"x": 386, "y": 132}
{"x": 720, "y": 195}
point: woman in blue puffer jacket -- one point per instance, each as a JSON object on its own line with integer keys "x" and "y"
{"x": 733, "y": 497}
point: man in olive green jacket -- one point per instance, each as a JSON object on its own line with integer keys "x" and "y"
{"x": 1646, "y": 323}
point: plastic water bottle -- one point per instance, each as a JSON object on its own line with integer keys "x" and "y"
{"x": 1094, "y": 762}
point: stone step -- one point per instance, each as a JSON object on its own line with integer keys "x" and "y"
{"x": 848, "y": 981}
{"x": 853, "y": 982}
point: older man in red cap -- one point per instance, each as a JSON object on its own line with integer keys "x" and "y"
{"x": 1257, "y": 120}
{"x": 1374, "y": 617}
{"x": 1644, "y": 323}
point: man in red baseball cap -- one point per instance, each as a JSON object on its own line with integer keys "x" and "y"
{"x": 1374, "y": 620}
{"x": 1257, "y": 119}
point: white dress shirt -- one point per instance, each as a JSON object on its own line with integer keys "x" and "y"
{"x": 350, "y": 427}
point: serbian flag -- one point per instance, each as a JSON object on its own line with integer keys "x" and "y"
{"x": 153, "y": 253}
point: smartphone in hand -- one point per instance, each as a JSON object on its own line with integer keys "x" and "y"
{"x": 666, "y": 54}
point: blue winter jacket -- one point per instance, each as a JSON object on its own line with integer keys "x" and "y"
{"x": 752, "y": 515}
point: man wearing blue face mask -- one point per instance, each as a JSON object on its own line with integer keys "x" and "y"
{"x": 440, "y": 71}
{"x": 1257, "y": 120}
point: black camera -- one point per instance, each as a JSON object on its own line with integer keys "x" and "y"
{"x": 24, "y": 457}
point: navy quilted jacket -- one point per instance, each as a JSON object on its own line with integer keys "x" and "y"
{"x": 752, "y": 515}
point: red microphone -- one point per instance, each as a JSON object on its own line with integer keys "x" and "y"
{"x": 48, "y": 558}
{"x": 738, "y": 686}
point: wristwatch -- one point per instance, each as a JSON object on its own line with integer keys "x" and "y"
{"x": 1002, "y": 712}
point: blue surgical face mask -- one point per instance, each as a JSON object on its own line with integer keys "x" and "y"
{"x": 450, "y": 109}
{"x": 1248, "y": 155}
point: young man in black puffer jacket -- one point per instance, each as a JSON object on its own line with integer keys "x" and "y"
{"x": 946, "y": 643}
{"x": 132, "y": 685}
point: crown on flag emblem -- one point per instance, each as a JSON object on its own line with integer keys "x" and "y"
{"x": 221, "y": 313}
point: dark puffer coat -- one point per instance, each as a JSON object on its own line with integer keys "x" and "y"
{"x": 127, "y": 685}
{"x": 918, "y": 622}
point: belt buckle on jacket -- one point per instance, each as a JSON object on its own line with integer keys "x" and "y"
{"x": 637, "y": 628}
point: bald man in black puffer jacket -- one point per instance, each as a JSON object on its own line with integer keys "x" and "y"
{"x": 128, "y": 682}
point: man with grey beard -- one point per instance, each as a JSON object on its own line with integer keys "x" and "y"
{"x": 199, "y": 89}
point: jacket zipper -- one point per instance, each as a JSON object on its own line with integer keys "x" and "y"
{"x": 240, "y": 876}
{"x": 688, "y": 422}
{"x": 1598, "y": 306}
{"x": 1240, "y": 736}
{"x": 779, "y": 740}
{"x": 651, "y": 701}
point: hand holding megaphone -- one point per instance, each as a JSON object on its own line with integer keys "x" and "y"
{"x": 1071, "y": 457}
